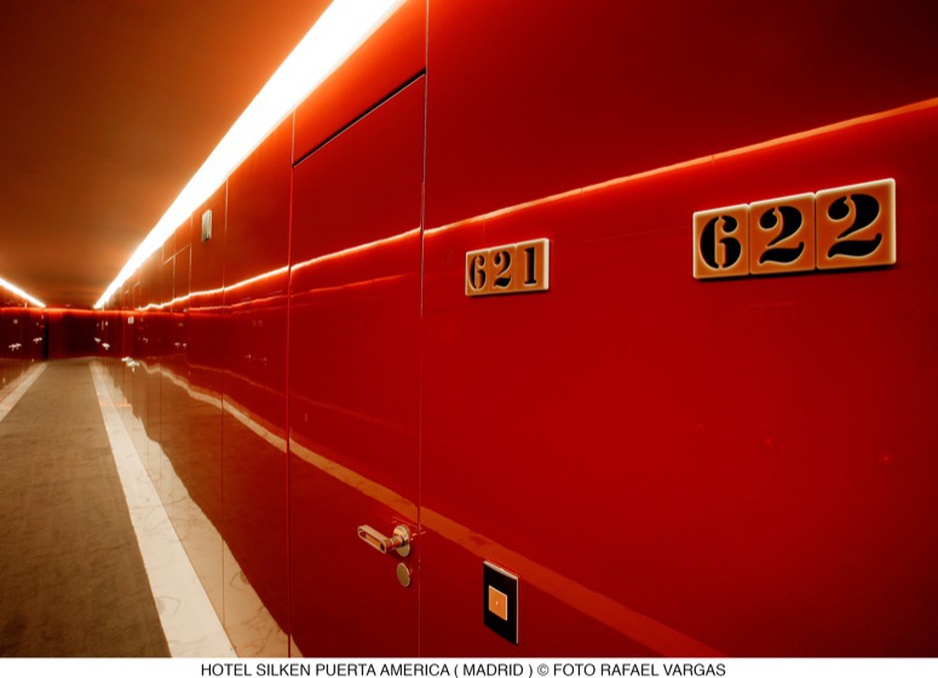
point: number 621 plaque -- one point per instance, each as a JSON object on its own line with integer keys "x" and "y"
{"x": 509, "y": 269}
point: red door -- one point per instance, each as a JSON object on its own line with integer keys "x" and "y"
{"x": 354, "y": 376}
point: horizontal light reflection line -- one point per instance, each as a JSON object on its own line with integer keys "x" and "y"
{"x": 686, "y": 164}
{"x": 374, "y": 244}
{"x": 611, "y": 183}
{"x": 357, "y": 248}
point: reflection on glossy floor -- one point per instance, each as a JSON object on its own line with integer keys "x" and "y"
{"x": 215, "y": 570}
{"x": 72, "y": 579}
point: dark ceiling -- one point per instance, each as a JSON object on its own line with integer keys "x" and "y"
{"x": 108, "y": 107}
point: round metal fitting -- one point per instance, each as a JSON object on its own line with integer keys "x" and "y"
{"x": 401, "y": 540}
{"x": 403, "y": 574}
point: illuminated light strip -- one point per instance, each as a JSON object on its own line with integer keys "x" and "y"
{"x": 344, "y": 26}
{"x": 10, "y": 287}
{"x": 285, "y": 269}
{"x": 217, "y": 290}
{"x": 611, "y": 183}
{"x": 357, "y": 248}
{"x": 645, "y": 630}
{"x": 686, "y": 164}
{"x": 358, "y": 284}
{"x": 256, "y": 278}
{"x": 833, "y": 127}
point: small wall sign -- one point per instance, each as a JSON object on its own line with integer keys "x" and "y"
{"x": 509, "y": 269}
{"x": 847, "y": 227}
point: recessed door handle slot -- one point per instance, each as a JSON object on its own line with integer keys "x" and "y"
{"x": 399, "y": 541}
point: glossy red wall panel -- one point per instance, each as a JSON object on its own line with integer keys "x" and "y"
{"x": 842, "y": 383}
{"x": 671, "y": 466}
{"x": 23, "y": 340}
{"x": 206, "y": 281}
{"x": 203, "y": 381}
{"x": 35, "y": 334}
{"x": 723, "y": 457}
{"x": 528, "y": 99}
{"x": 392, "y": 56}
{"x": 354, "y": 323}
{"x": 254, "y": 464}
{"x": 208, "y": 256}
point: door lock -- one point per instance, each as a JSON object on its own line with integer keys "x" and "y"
{"x": 399, "y": 541}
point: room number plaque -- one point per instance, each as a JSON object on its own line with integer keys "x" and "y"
{"x": 509, "y": 269}
{"x": 838, "y": 228}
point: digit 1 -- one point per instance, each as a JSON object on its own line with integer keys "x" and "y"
{"x": 529, "y": 260}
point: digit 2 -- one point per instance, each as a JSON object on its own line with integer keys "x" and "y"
{"x": 781, "y": 235}
{"x": 856, "y": 225}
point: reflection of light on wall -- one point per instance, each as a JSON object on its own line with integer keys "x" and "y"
{"x": 187, "y": 512}
{"x": 566, "y": 195}
{"x": 374, "y": 244}
{"x": 351, "y": 286}
{"x": 390, "y": 240}
{"x": 10, "y": 287}
{"x": 218, "y": 290}
{"x": 262, "y": 428}
{"x": 339, "y": 31}
{"x": 620, "y": 181}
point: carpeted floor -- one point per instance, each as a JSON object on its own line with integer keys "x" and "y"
{"x": 72, "y": 581}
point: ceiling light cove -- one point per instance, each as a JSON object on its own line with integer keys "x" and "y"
{"x": 344, "y": 26}
{"x": 10, "y": 287}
